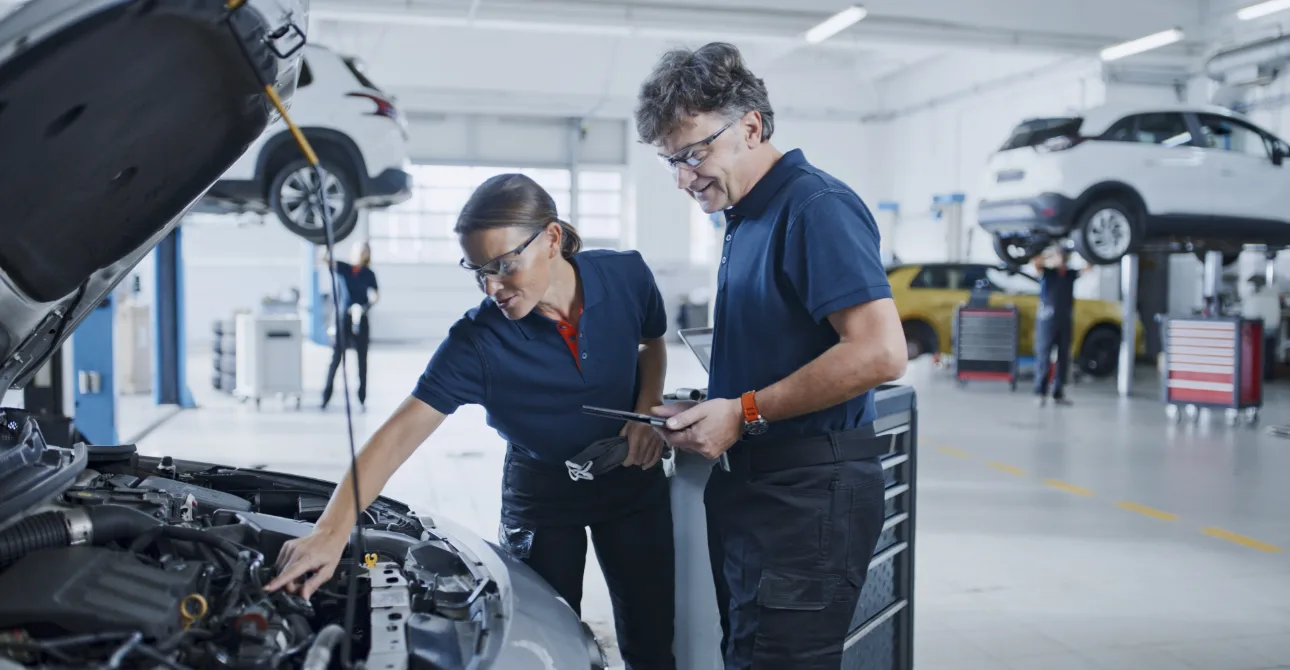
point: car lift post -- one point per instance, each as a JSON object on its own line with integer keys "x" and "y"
{"x": 314, "y": 303}
{"x": 169, "y": 351}
{"x": 1128, "y": 323}
{"x": 1213, "y": 285}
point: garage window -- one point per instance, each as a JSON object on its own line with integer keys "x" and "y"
{"x": 420, "y": 229}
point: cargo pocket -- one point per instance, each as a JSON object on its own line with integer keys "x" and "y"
{"x": 800, "y": 619}
{"x": 516, "y": 540}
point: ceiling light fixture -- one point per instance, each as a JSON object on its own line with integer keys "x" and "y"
{"x": 836, "y": 24}
{"x": 1262, "y": 9}
{"x": 1142, "y": 44}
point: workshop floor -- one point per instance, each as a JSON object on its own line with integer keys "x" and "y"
{"x": 1101, "y": 536}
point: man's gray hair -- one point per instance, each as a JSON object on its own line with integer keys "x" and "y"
{"x": 686, "y": 82}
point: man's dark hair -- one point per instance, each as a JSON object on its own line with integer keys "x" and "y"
{"x": 687, "y": 82}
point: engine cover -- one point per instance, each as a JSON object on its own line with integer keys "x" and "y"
{"x": 94, "y": 590}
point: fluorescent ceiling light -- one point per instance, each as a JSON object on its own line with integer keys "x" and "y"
{"x": 1262, "y": 9}
{"x": 836, "y": 24}
{"x": 1142, "y": 44}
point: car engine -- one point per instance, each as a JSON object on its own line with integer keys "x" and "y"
{"x": 146, "y": 562}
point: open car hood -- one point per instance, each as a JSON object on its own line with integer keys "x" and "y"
{"x": 115, "y": 117}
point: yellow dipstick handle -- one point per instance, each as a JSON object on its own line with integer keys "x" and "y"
{"x": 192, "y": 608}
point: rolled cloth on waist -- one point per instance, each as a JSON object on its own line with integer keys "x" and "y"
{"x": 598, "y": 458}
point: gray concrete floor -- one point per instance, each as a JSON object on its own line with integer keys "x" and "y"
{"x": 1101, "y": 536}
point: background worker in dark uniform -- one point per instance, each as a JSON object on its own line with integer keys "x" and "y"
{"x": 1053, "y": 321}
{"x": 804, "y": 329}
{"x": 560, "y": 329}
{"x": 353, "y": 330}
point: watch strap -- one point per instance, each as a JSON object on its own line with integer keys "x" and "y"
{"x": 749, "y": 403}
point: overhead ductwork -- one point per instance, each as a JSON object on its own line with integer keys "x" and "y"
{"x": 1250, "y": 64}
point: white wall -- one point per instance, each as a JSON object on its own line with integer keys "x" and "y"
{"x": 228, "y": 267}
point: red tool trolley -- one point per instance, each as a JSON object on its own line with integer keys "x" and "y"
{"x": 1213, "y": 363}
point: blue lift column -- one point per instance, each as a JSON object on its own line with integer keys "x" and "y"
{"x": 169, "y": 351}
{"x": 95, "y": 394}
{"x": 313, "y": 296}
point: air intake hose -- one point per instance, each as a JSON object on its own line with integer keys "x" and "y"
{"x": 41, "y": 531}
{"x": 97, "y": 525}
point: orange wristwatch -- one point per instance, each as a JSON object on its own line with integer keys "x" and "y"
{"x": 754, "y": 424}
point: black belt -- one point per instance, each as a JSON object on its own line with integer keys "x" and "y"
{"x": 798, "y": 452}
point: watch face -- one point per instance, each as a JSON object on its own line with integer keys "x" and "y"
{"x": 756, "y": 427}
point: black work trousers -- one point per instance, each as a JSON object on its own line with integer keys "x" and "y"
{"x": 1049, "y": 333}
{"x": 545, "y": 518}
{"x": 346, "y": 339}
{"x": 790, "y": 551}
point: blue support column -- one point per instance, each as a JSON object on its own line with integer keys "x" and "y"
{"x": 95, "y": 379}
{"x": 317, "y": 318}
{"x": 169, "y": 351}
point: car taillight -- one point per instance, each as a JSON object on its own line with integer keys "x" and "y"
{"x": 383, "y": 107}
{"x": 1059, "y": 143}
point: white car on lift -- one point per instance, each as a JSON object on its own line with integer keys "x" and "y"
{"x": 1120, "y": 180}
{"x": 361, "y": 138}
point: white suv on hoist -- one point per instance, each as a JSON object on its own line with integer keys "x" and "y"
{"x": 1121, "y": 180}
{"x": 361, "y": 139}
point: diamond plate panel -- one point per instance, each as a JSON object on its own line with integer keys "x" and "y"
{"x": 878, "y": 593}
{"x": 875, "y": 651}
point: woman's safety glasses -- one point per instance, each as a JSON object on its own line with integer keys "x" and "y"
{"x": 502, "y": 266}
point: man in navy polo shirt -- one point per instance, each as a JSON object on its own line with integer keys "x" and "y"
{"x": 805, "y": 329}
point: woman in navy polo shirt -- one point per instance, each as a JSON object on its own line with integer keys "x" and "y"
{"x": 561, "y": 328}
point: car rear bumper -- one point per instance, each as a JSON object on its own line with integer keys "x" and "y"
{"x": 1046, "y": 214}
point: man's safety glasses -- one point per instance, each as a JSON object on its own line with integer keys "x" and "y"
{"x": 502, "y": 266}
{"x": 689, "y": 157}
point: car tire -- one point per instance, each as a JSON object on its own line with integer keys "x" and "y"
{"x": 1008, "y": 251}
{"x": 303, "y": 218}
{"x": 1099, "y": 353}
{"x": 1106, "y": 231}
{"x": 919, "y": 339}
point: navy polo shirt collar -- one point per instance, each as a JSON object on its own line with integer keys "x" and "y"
{"x": 593, "y": 290}
{"x": 754, "y": 204}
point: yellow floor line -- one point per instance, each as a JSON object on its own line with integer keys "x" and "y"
{"x": 1004, "y": 467}
{"x": 1240, "y": 539}
{"x": 1069, "y": 488}
{"x": 954, "y": 452}
{"x": 1147, "y": 511}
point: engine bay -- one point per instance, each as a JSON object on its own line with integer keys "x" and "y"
{"x": 140, "y": 562}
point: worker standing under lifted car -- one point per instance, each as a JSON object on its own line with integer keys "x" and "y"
{"x": 359, "y": 290}
{"x": 1054, "y": 321}
{"x": 561, "y": 328}
{"x": 805, "y": 328}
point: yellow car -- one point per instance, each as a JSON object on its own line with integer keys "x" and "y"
{"x": 927, "y": 294}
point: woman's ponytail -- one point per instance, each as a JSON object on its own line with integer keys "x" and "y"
{"x": 572, "y": 241}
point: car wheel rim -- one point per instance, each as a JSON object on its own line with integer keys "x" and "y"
{"x": 299, "y": 197}
{"x": 1108, "y": 233}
